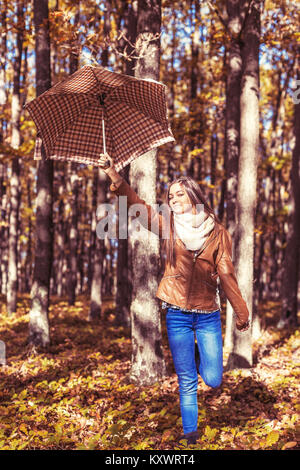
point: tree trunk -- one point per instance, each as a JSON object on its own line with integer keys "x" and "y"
{"x": 3, "y": 230}
{"x": 39, "y": 334}
{"x": 99, "y": 195}
{"x": 147, "y": 357}
{"x": 3, "y": 168}
{"x": 193, "y": 166}
{"x": 3, "y": 58}
{"x": 106, "y": 29}
{"x": 28, "y": 265}
{"x": 12, "y": 287}
{"x": 60, "y": 235}
{"x": 232, "y": 139}
{"x": 73, "y": 167}
{"x": 124, "y": 267}
{"x": 214, "y": 145}
{"x": 124, "y": 276}
{"x": 241, "y": 354}
{"x": 73, "y": 233}
{"x": 74, "y": 46}
{"x": 290, "y": 274}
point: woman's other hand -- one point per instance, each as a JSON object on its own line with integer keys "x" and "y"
{"x": 243, "y": 326}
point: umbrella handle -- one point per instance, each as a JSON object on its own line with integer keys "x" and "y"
{"x": 103, "y": 132}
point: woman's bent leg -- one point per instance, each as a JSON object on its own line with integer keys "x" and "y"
{"x": 209, "y": 340}
{"x": 182, "y": 346}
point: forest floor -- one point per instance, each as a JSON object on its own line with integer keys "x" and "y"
{"x": 77, "y": 394}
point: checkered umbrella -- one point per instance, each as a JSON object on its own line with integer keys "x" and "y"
{"x": 95, "y": 111}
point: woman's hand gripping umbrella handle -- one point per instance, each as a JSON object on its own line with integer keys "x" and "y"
{"x": 106, "y": 164}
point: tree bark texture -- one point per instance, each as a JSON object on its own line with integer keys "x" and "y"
{"x": 39, "y": 332}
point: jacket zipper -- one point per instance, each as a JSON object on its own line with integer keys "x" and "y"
{"x": 193, "y": 265}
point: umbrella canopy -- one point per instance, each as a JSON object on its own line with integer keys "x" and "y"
{"x": 69, "y": 117}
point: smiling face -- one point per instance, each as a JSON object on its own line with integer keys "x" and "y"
{"x": 178, "y": 198}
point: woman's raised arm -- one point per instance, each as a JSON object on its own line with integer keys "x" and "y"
{"x": 152, "y": 220}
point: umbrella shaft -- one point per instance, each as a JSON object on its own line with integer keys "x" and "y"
{"x": 103, "y": 135}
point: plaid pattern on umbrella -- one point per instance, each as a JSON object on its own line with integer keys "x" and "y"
{"x": 68, "y": 117}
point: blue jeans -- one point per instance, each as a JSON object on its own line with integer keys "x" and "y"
{"x": 182, "y": 329}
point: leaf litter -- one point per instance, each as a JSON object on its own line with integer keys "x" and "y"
{"x": 77, "y": 394}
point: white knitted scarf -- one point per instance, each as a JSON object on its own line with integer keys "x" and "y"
{"x": 193, "y": 229}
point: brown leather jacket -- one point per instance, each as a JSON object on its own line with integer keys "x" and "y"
{"x": 192, "y": 283}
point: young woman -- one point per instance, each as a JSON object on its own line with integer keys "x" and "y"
{"x": 198, "y": 252}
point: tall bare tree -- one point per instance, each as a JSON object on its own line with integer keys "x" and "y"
{"x": 39, "y": 333}
{"x": 194, "y": 74}
{"x": 73, "y": 181}
{"x": 147, "y": 358}
{"x": 12, "y": 285}
{"x": 100, "y": 188}
{"x": 99, "y": 197}
{"x": 124, "y": 266}
{"x": 232, "y": 133}
{"x": 241, "y": 354}
{"x": 290, "y": 277}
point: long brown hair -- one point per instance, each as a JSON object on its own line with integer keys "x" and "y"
{"x": 196, "y": 196}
